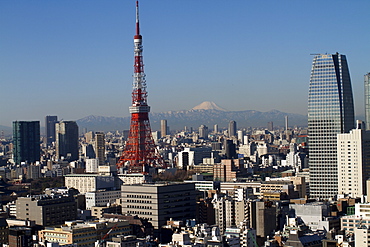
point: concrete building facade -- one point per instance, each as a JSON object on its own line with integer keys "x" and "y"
{"x": 164, "y": 128}
{"x": 100, "y": 147}
{"x": 101, "y": 198}
{"x": 88, "y": 182}
{"x": 353, "y": 150}
{"x": 47, "y": 210}
{"x": 159, "y": 202}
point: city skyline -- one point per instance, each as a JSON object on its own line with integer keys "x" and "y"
{"x": 75, "y": 59}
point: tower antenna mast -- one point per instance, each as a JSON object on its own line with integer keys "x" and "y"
{"x": 139, "y": 151}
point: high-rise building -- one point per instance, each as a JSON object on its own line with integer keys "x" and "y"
{"x": 164, "y": 128}
{"x": 286, "y": 123}
{"x": 367, "y": 100}
{"x": 50, "y": 122}
{"x": 353, "y": 161}
{"x": 330, "y": 112}
{"x": 26, "y": 141}
{"x": 230, "y": 149}
{"x": 67, "y": 140}
{"x": 215, "y": 128}
{"x": 232, "y": 128}
{"x": 241, "y": 136}
{"x": 203, "y": 132}
{"x": 100, "y": 147}
{"x": 270, "y": 126}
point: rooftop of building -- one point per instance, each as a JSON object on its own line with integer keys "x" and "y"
{"x": 86, "y": 175}
{"x": 46, "y": 196}
{"x": 157, "y": 184}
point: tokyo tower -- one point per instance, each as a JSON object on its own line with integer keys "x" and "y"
{"x": 140, "y": 151}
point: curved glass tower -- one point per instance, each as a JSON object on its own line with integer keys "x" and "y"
{"x": 330, "y": 111}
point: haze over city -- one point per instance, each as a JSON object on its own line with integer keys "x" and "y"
{"x": 74, "y": 59}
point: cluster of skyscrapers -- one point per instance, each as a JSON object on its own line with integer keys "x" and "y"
{"x": 26, "y": 139}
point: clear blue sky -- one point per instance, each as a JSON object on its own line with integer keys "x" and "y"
{"x": 75, "y": 58}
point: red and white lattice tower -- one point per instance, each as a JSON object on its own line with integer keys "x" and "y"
{"x": 140, "y": 150}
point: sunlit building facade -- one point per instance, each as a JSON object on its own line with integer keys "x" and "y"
{"x": 330, "y": 112}
{"x": 367, "y": 100}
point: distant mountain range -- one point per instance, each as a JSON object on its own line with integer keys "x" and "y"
{"x": 207, "y": 113}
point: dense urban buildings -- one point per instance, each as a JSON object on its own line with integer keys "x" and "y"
{"x": 330, "y": 112}
{"x": 227, "y": 187}
{"x": 26, "y": 139}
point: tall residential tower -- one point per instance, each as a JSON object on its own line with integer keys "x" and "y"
{"x": 330, "y": 112}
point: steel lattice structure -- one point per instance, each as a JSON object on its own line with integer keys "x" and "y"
{"x": 140, "y": 150}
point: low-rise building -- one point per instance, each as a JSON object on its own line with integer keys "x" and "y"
{"x": 81, "y": 235}
{"x": 135, "y": 178}
{"x": 101, "y": 198}
{"x": 88, "y": 182}
{"x": 315, "y": 215}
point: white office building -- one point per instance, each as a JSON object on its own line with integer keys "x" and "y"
{"x": 101, "y": 198}
{"x": 88, "y": 182}
{"x": 353, "y": 150}
{"x": 92, "y": 165}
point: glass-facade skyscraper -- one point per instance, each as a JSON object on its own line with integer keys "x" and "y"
{"x": 232, "y": 128}
{"x": 66, "y": 143}
{"x": 330, "y": 111}
{"x": 50, "y": 122}
{"x": 367, "y": 100}
{"x": 26, "y": 141}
